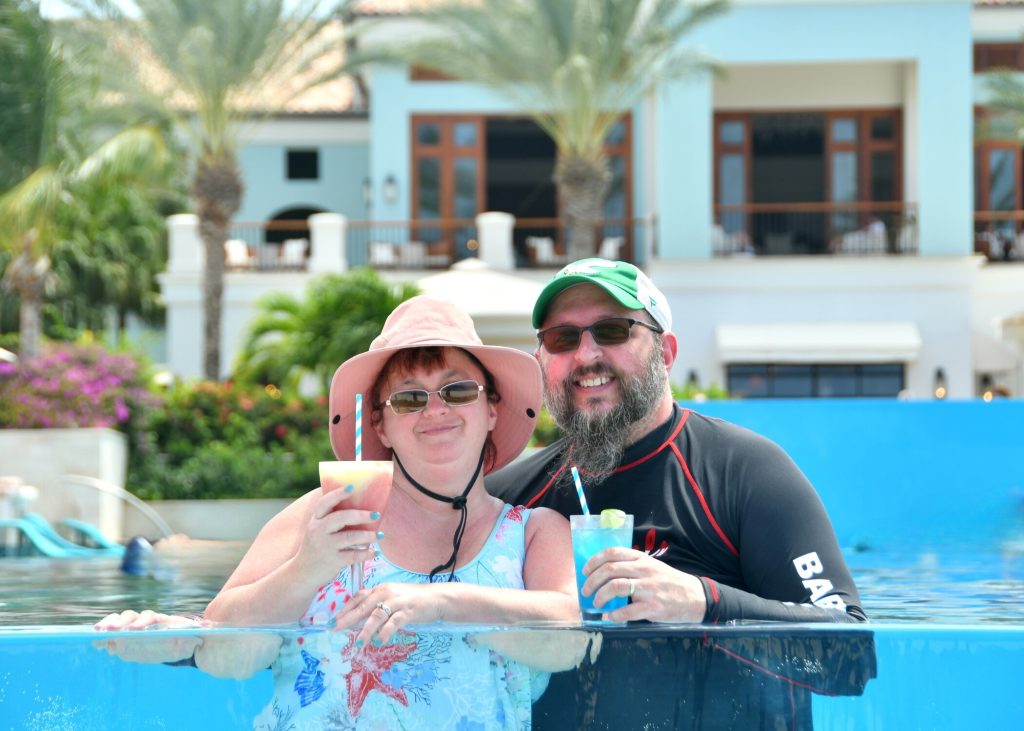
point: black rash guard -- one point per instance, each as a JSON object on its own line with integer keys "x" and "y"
{"x": 719, "y": 502}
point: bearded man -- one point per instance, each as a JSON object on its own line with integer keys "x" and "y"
{"x": 726, "y": 527}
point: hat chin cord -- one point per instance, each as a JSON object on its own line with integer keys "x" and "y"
{"x": 458, "y": 503}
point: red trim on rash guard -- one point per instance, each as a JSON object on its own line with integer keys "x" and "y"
{"x": 547, "y": 487}
{"x": 620, "y": 468}
{"x": 772, "y": 673}
{"x": 667, "y": 443}
{"x": 703, "y": 502}
{"x": 711, "y": 585}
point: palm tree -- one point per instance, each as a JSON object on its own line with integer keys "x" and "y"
{"x": 1006, "y": 98}
{"x": 45, "y": 167}
{"x": 209, "y": 65}
{"x": 339, "y": 317}
{"x": 33, "y": 209}
{"x": 574, "y": 66}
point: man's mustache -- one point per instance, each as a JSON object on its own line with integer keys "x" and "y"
{"x": 598, "y": 369}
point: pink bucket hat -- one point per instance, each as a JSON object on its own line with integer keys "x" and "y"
{"x": 423, "y": 322}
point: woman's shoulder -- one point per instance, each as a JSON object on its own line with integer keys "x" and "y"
{"x": 540, "y": 519}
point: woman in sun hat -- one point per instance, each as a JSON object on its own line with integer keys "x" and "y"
{"x": 447, "y": 410}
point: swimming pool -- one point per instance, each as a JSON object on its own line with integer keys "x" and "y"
{"x": 926, "y": 499}
{"x": 943, "y": 652}
{"x": 928, "y": 677}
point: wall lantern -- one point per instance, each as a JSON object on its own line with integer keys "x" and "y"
{"x": 389, "y": 190}
{"x": 940, "y": 383}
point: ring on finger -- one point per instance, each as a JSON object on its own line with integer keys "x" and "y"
{"x": 632, "y": 588}
{"x": 384, "y": 608}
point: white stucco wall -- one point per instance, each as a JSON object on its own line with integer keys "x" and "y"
{"x": 933, "y": 293}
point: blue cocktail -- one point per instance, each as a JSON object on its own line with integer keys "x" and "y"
{"x": 591, "y": 534}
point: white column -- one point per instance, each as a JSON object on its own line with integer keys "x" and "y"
{"x": 327, "y": 239}
{"x": 494, "y": 234}
{"x": 185, "y": 250}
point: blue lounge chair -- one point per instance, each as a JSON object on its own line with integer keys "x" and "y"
{"x": 88, "y": 535}
{"x": 47, "y": 541}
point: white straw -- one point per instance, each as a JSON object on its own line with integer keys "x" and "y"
{"x": 579, "y": 490}
{"x": 359, "y": 427}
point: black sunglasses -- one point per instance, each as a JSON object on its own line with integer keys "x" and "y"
{"x": 460, "y": 393}
{"x": 610, "y": 331}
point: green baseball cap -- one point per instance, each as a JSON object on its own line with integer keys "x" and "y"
{"x": 630, "y": 287}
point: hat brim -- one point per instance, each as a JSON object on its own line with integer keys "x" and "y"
{"x": 556, "y": 286}
{"x": 516, "y": 375}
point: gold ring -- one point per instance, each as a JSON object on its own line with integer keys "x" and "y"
{"x": 384, "y": 608}
{"x": 632, "y": 588}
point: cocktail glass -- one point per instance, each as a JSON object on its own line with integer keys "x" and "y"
{"x": 589, "y": 537}
{"x": 371, "y": 487}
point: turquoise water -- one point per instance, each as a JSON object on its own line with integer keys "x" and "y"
{"x": 927, "y": 500}
{"x": 928, "y": 677}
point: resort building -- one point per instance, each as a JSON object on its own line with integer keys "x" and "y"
{"x": 825, "y": 216}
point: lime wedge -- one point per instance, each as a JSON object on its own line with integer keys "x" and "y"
{"x": 612, "y": 518}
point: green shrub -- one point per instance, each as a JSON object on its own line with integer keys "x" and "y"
{"x": 215, "y": 440}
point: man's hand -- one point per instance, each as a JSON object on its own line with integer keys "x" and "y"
{"x": 659, "y": 592}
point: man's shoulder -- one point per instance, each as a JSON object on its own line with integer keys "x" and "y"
{"x": 716, "y": 437}
{"x": 515, "y": 483}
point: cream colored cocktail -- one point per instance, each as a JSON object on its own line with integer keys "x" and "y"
{"x": 369, "y": 486}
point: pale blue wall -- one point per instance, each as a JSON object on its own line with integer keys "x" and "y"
{"x": 935, "y": 37}
{"x": 395, "y": 99}
{"x": 685, "y": 187}
{"x": 268, "y": 191}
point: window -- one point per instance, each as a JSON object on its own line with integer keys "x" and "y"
{"x": 992, "y": 56}
{"x": 798, "y": 380}
{"x": 303, "y": 164}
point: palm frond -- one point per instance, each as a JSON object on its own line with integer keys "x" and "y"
{"x": 574, "y": 65}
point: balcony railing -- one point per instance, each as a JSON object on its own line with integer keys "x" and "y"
{"x": 277, "y": 246}
{"x": 542, "y": 242}
{"x": 420, "y": 244}
{"x": 797, "y": 229}
{"x": 267, "y": 246}
{"x": 999, "y": 235}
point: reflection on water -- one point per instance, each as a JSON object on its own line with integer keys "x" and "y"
{"x": 921, "y": 586}
{"x": 182, "y": 579}
{"x": 929, "y": 586}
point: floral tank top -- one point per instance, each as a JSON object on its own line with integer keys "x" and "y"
{"x": 433, "y": 678}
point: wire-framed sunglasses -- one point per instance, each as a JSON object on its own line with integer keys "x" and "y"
{"x": 411, "y": 400}
{"x": 610, "y": 331}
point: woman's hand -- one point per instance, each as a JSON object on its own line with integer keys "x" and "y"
{"x": 385, "y": 609}
{"x": 152, "y": 648}
{"x": 131, "y": 620}
{"x": 328, "y": 543}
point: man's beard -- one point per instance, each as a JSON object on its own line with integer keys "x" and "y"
{"x": 595, "y": 442}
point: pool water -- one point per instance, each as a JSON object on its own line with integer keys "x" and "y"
{"x": 41, "y": 591}
{"x": 933, "y": 587}
{"x": 943, "y": 651}
{"x": 832, "y": 677}
{"x": 927, "y": 498}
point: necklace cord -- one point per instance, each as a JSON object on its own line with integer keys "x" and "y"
{"x": 458, "y": 503}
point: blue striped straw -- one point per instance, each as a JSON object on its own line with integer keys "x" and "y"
{"x": 579, "y": 491}
{"x": 359, "y": 427}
